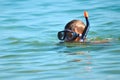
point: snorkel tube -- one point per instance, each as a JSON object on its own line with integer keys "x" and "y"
{"x": 84, "y": 34}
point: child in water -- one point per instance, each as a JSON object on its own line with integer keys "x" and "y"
{"x": 76, "y": 31}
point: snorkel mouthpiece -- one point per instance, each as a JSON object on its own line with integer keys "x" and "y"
{"x": 84, "y": 34}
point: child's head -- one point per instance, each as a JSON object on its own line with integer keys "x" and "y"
{"x": 76, "y": 26}
{"x": 73, "y": 30}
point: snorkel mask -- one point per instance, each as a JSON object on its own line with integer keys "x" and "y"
{"x": 69, "y": 35}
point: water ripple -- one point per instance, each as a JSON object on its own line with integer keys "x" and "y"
{"x": 30, "y": 50}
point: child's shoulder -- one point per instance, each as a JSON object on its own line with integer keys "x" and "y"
{"x": 100, "y": 41}
{"x": 87, "y": 42}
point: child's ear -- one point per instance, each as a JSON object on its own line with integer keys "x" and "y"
{"x": 78, "y": 30}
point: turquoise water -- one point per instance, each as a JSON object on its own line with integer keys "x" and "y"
{"x": 29, "y": 48}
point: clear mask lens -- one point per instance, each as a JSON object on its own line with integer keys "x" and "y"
{"x": 61, "y": 35}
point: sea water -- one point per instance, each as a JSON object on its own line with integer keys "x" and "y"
{"x": 30, "y": 50}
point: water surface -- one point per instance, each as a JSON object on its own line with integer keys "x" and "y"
{"x": 29, "y": 48}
